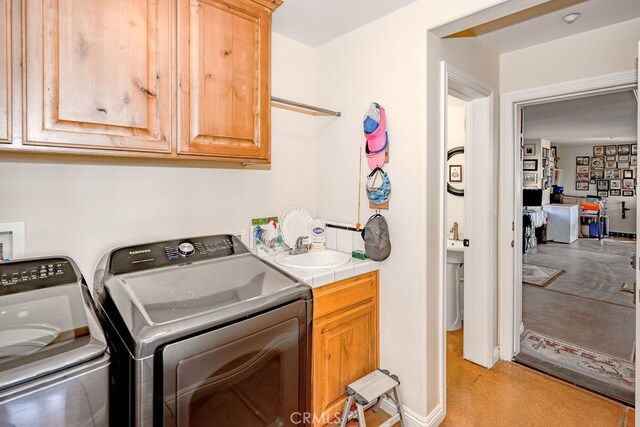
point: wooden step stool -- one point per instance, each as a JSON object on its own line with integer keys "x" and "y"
{"x": 367, "y": 392}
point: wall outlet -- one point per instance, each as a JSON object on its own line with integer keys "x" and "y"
{"x": 12, "y": 239}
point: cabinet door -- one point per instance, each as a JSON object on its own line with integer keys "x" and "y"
{"x": 344, "y": 350}
{"x": 98, "y": 74}
{"x": 223, "y": 73}
{"x": 5, "y": 70}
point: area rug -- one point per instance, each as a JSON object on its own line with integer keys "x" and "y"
{"x": 602, "y": 373}
{"x": 539, "y": 276}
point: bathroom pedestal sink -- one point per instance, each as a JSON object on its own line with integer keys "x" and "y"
{"x": 455, "y": 257}
{"x": 323, "y": 258}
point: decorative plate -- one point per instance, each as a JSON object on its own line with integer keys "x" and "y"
{"x": 295, "y": 223}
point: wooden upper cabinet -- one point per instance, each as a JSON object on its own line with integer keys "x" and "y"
{"x": 98, "y": 74}
{"x": 5, "y": 71}
{"x": 223, "y": 77}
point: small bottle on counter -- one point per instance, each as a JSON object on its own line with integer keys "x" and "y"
{"x": 318, "y": 234}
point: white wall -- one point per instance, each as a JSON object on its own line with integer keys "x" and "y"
{"x": 85, "y": 207}
{"x": 386, "y": 61}
{"x": 592, "y": 53}
{"x": 568, "y": 154}
{"x": 456, "y": 138}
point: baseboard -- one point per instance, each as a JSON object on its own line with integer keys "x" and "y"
{"x": 521, "y": 329}
{"x": 496, "y": 355}
{"x": 412, "y": 419}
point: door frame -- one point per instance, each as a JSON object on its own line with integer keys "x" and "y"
{"x": 509, "y": 220}
{"x": 479, "y": 122}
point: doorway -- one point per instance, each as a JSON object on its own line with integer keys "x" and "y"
{"x": 469, "y": 158}
{"x": 579, "y": 166}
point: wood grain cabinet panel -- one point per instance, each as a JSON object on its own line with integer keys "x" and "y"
{"x": 5, "y": 71}
{"x": 224, "y": 49}
{"x": 345, "y": 341}
{"x": 98, "y": 74}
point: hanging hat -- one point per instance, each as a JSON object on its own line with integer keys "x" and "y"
{"x": 375, "y": 126}
{"x": 376, "y": 238}
{"x": 376, "y": 159}
{"x": 378, "y": 187}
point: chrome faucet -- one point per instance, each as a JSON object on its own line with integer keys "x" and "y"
{"x": 301, "y": 247}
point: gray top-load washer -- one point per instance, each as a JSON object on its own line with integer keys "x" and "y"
{"x": 203, "y": 332}
{"x": 53, "y": 354}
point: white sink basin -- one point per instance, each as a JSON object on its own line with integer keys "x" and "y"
{"x": 324, "y": 258}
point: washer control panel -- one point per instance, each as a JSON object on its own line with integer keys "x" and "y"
{"x": 27, "y": 275}
{"x": 172, "y": 252}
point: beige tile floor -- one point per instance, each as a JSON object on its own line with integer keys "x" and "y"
{"x": 512, "y": 395}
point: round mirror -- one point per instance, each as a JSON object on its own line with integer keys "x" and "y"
{"x": 455, "y": 184}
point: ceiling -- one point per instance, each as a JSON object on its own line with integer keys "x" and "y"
{"x": 542, "y": 23}
{"x": 315, "y": 22}
{"x": 601, "y": 119}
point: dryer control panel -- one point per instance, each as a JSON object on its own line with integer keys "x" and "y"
{"x": 27, "y": 275}
{"x": 173, "y": 252}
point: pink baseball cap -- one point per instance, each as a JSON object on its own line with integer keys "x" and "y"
{"x": 376, "y": 158}
{"x": 375, "y": 126}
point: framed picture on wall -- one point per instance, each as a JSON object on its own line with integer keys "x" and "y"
{"x": 597, "y": 163}
{"x": 610, "y": 165}
{"x": 602, "y": 185}
{"x": 627, "y": 174}
{"x": 545, "y": 163}
{"x": 582, "y": 177}
{"x": 582, "y": 160}
{"x": 530, "y": 165}
{"x": 614, "y": 192}
{"x": 634, "y": 161}
{"x": 603, "y": 194}
{"x": 554, "y": 150}
{"x": 455, "y": 173}
{"x": 545, "y": 153}
{"x": 597, "y": 175}
{"x": 634, "y": 149}
{"x": 624, "y": 149}
{"x": 582, "y": 169}
{"x": 582, "y": 186}
{"x": 612, "y": 174}
{"x": 598, "y": 150}
{"x": 530, "y": 179}
{"x": 611, "y": 150}
{"x": 529, "y": 149}
{"x": 624, "y": 158}
{"x": 628, "y": 184}
{"x": 627, "y": 193}
{"x": 615, "y": 184}
{"x": 610, "y": 158}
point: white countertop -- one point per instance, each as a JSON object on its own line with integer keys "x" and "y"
{"x": 323, "y": 276}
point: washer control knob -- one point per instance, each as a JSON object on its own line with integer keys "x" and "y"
{"x": 186, "y": 249}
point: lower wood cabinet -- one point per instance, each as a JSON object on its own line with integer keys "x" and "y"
{"x": 345, "y": 341}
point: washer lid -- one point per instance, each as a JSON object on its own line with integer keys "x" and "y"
{"x": 45, "y": 324}
{"x": 183, "y": 295}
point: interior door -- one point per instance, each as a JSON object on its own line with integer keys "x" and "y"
{"x": 637, "y": 264}
{"x": 479, "y": 221}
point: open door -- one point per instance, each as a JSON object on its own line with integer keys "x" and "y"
{"x": 637, "y": 264}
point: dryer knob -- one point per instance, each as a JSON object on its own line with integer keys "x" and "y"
{"x": 186, "y": 249}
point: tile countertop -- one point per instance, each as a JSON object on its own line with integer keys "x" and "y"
{"x": 323, "y": 276}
